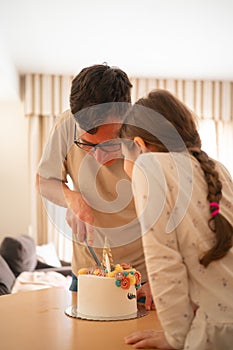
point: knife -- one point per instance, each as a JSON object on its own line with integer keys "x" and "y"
{"x": 91, "y": 250}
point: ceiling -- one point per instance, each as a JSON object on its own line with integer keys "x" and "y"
{"x": 190, "y": 39}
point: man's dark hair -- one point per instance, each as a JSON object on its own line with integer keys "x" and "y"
{"x": 97, "y": 85}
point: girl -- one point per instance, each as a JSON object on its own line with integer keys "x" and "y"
{"x": 184, "y": 202}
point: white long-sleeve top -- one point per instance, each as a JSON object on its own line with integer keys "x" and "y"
{"x": 171, "y": 200}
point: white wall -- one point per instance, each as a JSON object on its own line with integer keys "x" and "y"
{"x": 14, "y": 179}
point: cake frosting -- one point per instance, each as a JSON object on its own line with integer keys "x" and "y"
{"x": 108, "y": 295}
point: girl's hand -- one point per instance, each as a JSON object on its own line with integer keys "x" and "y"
{"x": 148, "y": 339}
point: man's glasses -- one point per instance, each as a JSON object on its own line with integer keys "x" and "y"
{"x": 107, "y": 146}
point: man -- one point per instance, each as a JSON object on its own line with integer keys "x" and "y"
{"x": 84, "y": 145}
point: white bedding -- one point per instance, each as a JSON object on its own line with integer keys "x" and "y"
{"x": 39, "y": 280}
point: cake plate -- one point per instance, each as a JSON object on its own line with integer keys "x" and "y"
{"x": 72, "y": 311}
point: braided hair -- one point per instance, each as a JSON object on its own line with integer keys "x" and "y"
{"x": 180, "y": 117}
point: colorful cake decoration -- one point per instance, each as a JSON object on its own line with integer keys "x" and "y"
{"x": 125, "y": 276}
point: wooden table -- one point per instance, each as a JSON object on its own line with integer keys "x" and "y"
{"x": 35, "y": 320}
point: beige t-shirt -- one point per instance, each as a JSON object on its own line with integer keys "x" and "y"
{"x": 170, "y": 196}
{"x": 107, "y": 190}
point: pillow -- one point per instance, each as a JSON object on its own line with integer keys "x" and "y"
{"x": 7, "y": 278}
{"x": 46, "y": 253}
{"x": 19, "y": 253}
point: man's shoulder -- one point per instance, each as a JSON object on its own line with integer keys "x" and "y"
{"x": 65, "y": 119}
{"x": 64, "y": 116}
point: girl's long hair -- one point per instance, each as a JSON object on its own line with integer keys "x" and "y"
{"x": 183, "y": 120}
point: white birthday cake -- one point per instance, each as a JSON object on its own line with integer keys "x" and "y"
{"x": 108, "y": 295}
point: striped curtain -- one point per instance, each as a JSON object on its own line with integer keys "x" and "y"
{"x": 209, "y": 99}
{"x": 46, "y": 96}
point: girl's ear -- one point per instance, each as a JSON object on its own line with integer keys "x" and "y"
{"x": 140, "y": 143}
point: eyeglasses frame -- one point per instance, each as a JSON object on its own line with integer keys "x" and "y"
{"x": 94, "y": 146}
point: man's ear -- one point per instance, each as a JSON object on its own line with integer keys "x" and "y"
{"x": 140, "y": 143}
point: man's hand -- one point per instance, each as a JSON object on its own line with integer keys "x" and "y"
{"x": 79, "y": 217}
{"x": 145, "y": 291}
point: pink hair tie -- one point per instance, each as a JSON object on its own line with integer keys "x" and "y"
{"x": 216, "y": 211}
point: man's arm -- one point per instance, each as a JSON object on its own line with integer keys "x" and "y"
{"x": 54, "y": 190}
{"x": 79, "y": 214}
